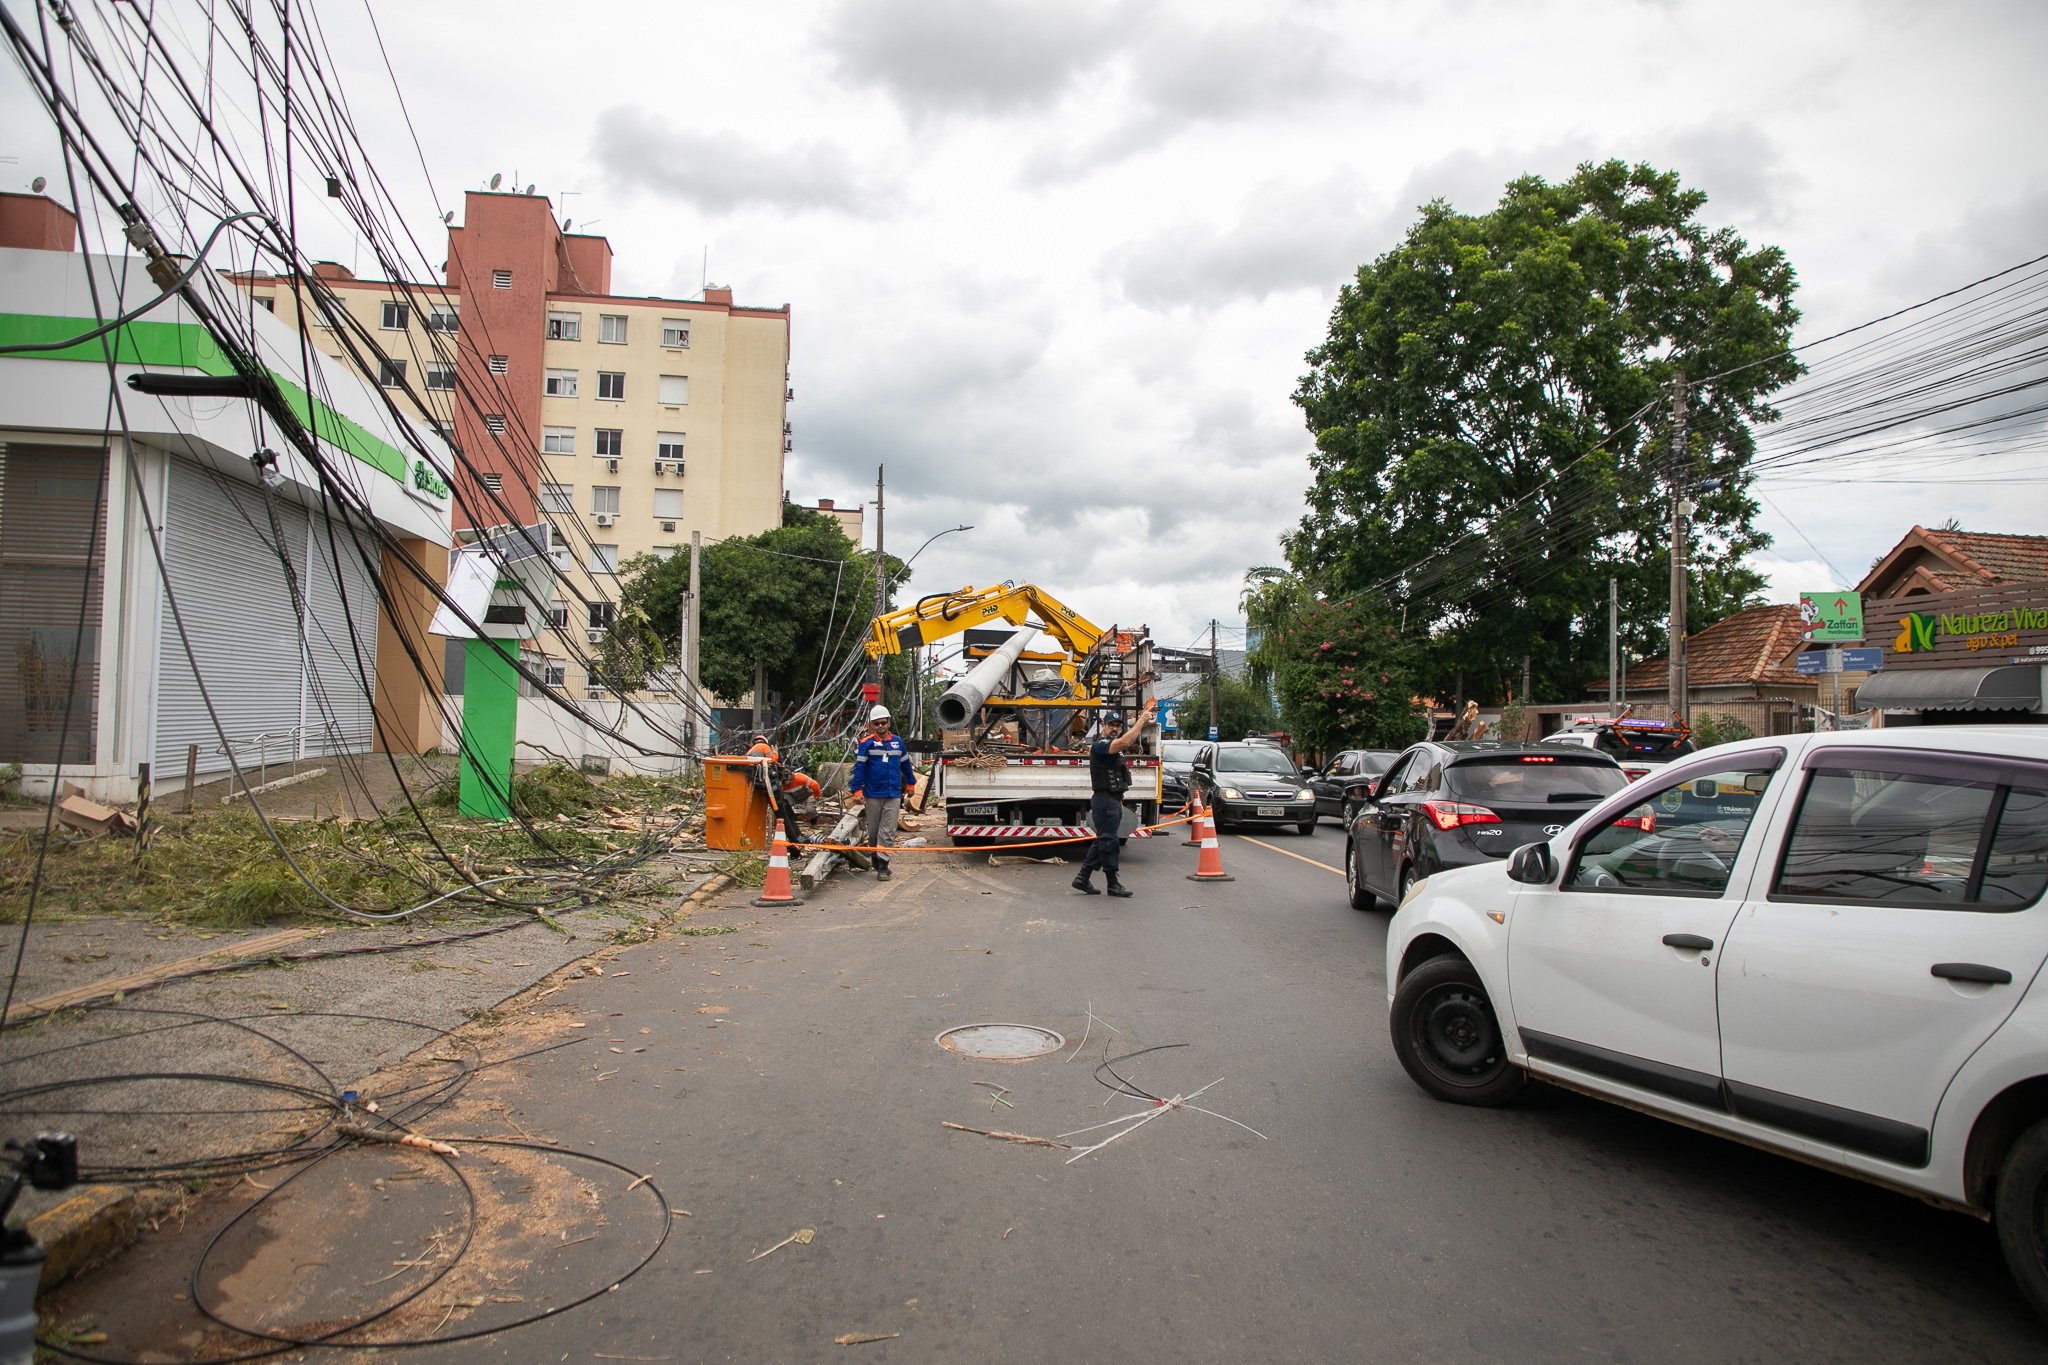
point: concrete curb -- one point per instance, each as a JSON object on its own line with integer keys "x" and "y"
{"x": 92, "y": 1225}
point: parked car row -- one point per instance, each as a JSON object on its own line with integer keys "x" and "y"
{"x": 1823, "y": 945}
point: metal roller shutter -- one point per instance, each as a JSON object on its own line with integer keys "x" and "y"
{"x": 341, "y": 641}
{"x": 223, "y": 563}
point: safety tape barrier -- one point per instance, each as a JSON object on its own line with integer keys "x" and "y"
{"x": 1178, "y": 819}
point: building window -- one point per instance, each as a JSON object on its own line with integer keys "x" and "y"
{"x": 557, "y": 672}
{"x": 611, "y": 328}
{"x": 668, "y": 503}
{"x": 447, "y": 429}
{"x": 664, "y": 551}
{"x": 604, "y": 502}
{"x": 267, "y": 302}
{"x": 668, "y": 445}
{"x": 604, "y": 559}
{"x": 558, "y": 497}
{"x": 675, "y": 333}
{"x": 444, "y": 321}
{"x": 494, "y": 483}
{"x": 397, "y": 317}
{"x": 611, "y": 385}
{"x": 559, "y": 384}
{"x": 440, "y": 376}
{"x": 558, "y": 615}
{"x": 675, "y": 389}
{"x": 610, "y": 442}
{"x": 495, "y": 424}
{"x": 500, "y": 364}
{"x": 501, "y": 279}
{"x": 602, "y": 614}
{"x": 558, "y": 440}
{"x": 391, "y": 374}
{"x": 565, "y": 327}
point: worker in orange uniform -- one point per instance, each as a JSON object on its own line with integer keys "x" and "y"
{"x": 786, "y": 786}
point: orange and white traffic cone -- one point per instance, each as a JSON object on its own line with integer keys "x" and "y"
{"x": 1194, "y": 839}
{"x": 1210, "y": 866}
{"x": 777, "y": 892}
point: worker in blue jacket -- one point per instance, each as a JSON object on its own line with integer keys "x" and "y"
{"x": 881, "y": 777}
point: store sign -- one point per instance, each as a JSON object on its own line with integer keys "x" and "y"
{"x": 1831, "y": 618}
{"x": 1984, "y": 626}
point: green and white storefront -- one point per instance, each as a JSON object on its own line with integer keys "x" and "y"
{"x": 288, "y": 656}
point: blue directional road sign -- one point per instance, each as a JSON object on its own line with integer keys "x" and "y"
{"x": 1841, "y": 661}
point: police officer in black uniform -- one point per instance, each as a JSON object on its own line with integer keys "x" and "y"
{"x": 1110, "y": 777}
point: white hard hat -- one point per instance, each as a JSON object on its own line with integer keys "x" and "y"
{"x": 879, "y": 713}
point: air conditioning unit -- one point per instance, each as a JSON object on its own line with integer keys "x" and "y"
{"x": 596, "y": 636}
{"x": 605, "y": 518}
{"x": 611, "y": 466}
{"x": 594, "y": 694}
{"x": 661, "y": 466}
{"x": 668, "y": 526}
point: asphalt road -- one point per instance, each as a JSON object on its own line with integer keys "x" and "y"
{"x": 800, "y": 1087}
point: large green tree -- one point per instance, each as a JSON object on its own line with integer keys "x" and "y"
{"x": 786, "y": 597}
{"x": 1490, "y": 412}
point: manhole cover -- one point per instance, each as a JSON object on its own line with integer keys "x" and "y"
{"x": 1001, "y": 1042}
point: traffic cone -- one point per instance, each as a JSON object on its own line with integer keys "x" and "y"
{"x": 1210, "y": 867}
{"x": 777, "y": 892}
{"x": 1194, "y": 839}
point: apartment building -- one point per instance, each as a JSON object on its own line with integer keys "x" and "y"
{"x": 631, "y": 422}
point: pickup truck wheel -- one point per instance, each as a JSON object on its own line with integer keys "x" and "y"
{"x": 2020, "y": 1213}
{"x": 1447, "y": 1037}
{"x": 1361, "y": 899}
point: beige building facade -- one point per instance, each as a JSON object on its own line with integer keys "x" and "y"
{"x": 630, "y": 423}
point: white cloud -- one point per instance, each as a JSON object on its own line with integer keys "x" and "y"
{"x": 723, "y": 171}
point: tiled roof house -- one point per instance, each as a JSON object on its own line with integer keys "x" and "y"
{"x": 1950, "y": 561}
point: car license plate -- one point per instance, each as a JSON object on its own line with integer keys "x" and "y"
{"x": 988, "y": 811}
{"x": 1272, "y": 810}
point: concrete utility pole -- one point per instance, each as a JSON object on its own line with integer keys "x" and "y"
{"x": 1525, "y": 680}
{"x": 872, "y": 689}
{"x": 1215, "y": 671}
{"x": 760, "y": 688}
{"x": 1680, "y": 506}
{"x": 691, "y": 691}
{"x": 1613, "y": 647}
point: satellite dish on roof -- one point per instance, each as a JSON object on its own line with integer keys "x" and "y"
{"x": 37, "y": 184}
{"x": 529, "y": 189}
{"x": 568, "y": 223}
{"x": 449, "y": 216}
{"x": 496, "y": 177}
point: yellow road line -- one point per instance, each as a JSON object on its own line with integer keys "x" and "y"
{"x": 1310, "y": 861}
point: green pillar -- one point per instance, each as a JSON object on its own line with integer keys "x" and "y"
{"x": 490, "y": 724}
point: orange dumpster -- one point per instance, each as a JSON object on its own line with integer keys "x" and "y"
{"x": 735, "y": 806}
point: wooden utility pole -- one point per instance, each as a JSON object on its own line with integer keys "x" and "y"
{"x": 1680, "y": 470}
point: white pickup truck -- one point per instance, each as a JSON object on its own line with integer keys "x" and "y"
{"x": 1036, "y": 796}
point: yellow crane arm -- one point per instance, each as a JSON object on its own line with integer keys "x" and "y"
{"x": 943, "y": 614}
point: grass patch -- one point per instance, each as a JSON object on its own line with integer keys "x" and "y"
{"x": 745, "y": 867}
{"x": 707, "y": 930}
{"x": 218, "y": 869}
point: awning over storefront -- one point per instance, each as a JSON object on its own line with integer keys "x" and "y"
{"x": 2011, "y": 688}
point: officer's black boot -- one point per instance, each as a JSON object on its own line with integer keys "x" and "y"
{"x": 1082, "y": 883}
{"x": 1117, "y": 888}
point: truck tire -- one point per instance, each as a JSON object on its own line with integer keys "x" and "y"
{"x": 2020, "y": 1213}
{"x": 1447, "y": 1037}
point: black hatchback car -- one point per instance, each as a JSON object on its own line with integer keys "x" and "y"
{"x": 1250, "y": 783}
{"x": 1458, "y": 802}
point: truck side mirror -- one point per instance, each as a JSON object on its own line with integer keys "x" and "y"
{"x": 1532, "y": 865}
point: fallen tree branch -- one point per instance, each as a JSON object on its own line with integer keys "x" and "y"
{"x": 1011, "y": 1137}
{"x": 396, "y": 1139}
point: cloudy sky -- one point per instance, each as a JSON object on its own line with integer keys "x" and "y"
{"x": 1056, "y": 264}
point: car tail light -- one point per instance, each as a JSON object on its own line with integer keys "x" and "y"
{"x": 1635, "y": 774}
{"x": 1451, "y": 814}
{"x": 1538, "y": 758}
{"x": 1642, "y": 818}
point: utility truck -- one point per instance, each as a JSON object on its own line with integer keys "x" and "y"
{"x": 1017, "y": 728}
